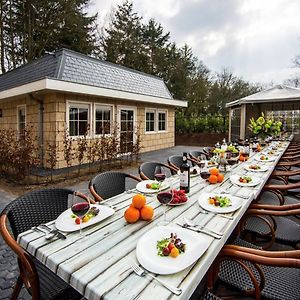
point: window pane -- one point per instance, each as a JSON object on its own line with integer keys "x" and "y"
{"x": 99, "y": 115}
{"x": 106, "y": 114}
{"x": 73, "y": 113}
{"x": 82, "y": 127}
{"x": 73, "y": 128}
{"x": 151, "y": 126}
{"x": 83, "y": 114}
{"x": 106, "y": 127}
{"x": 99, "y": 128}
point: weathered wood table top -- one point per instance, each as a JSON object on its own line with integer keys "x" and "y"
{"x": 98, "y": 267}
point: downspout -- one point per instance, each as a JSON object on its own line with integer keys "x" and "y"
{"x": 40, "y": 101}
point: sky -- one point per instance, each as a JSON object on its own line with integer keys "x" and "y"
{"x": 255, "y": 39}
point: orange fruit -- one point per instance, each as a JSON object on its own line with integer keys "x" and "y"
{"x": 139, "y": 201}
{"x": 213, "y": 179}
{"x": 214, "y": 171}
{"x": 147, "y": 213}
{"x": 220, "y": 177}
{"x": 131, "y": 214}
{"x": 174, "y": 252}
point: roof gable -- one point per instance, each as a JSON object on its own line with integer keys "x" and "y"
{"x": 276, "y": 93}
{"x": 71, "y": 66}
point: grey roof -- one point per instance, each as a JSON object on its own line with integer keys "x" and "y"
{"x": 275, "y": 94}
{"x": 75, "y": 67}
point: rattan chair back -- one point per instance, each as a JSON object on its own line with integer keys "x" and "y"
{"x": 176, "y": 161}
{"x": 108, "y": 184}
{"x": 198, "y": 155}
{"x": 147, "y": 170}
{"x": 33, "y": 209}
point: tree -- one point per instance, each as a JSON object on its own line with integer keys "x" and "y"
{"x": 123, "y": 40}
{"x": 155, "y": 42}
{"x": 32, "y": 27}
{"x": 227, "y": 88}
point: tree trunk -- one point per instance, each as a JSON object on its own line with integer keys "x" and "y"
{"x": 2, "y": 43}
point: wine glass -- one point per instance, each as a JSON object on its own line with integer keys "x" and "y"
{"x": 204, "y": 172}
{"x": 160, "y": 175}
{"x": 80, "y": 206}
{"x": 164, "y": 198}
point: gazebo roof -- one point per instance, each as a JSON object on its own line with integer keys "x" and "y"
{"x": 275, "y": 94}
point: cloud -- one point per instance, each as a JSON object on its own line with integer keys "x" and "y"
{"x": 256, "y": 39}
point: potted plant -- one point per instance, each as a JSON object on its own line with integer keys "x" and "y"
{"x": 264, "y": 128}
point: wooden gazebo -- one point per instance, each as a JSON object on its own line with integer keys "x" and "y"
{"x": 280, "y": 102}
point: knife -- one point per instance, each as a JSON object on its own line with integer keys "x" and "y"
{"x": 196, "y": 229}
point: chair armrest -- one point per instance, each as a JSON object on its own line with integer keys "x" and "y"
{"x": 289, "y": 163}
{"x": 282, "y": 187}
{"x": 272, "y": 258}
{"x": 286, "y": 173}
{"x": 290, "y": 212}
{"x": 275, "y": 207}
{"x": 134, "y": 177}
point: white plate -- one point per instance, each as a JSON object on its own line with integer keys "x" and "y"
{"x": 141, "y": 187}
{"x": 66, "y": 223}
{"x": 146, "y": 251}
{"x": 171, "y": 204}
{"x": 235, "y": 203}
{"x": 270, "y": 158}
{"x": 263, "y": 168}
{"x": 235, "y": 180}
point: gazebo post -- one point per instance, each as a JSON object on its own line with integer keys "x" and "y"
{"x": 229, "y": 125}
{"x": 243, "y": 122}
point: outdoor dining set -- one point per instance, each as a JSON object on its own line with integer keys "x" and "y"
{"x": 241, "y": 231}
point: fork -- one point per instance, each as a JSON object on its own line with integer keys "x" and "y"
{"x": 216, "y": 214}
{"x": 141, "y": 272}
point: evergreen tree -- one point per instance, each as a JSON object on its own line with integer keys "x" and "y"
{"x": 123, "y": 40}
{"x": 155, "y": 42}
{"x": 32, "y": 27}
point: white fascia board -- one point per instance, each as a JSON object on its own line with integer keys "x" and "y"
{"x": 64, "y": 86}
{"x": 241, "y": 102}
{"x": 24, "y": 89}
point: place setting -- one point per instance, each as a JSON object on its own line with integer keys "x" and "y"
{"x": 245, "y": 180}
{"x": 256, "y": 167}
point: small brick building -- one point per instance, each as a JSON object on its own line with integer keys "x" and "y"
{"x": 69, "y": 90}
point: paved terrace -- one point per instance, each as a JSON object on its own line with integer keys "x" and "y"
{"x": 8, "y": 263}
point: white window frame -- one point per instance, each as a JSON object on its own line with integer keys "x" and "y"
{"x": 79, "y": 104}
{"x": 151, "y": 110}
{"x": 112, "y": 115}
{"x": 164, "y": 111}
{"x": 21, "y": 107}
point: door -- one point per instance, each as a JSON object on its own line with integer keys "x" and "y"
{"x": 127, "y": 129}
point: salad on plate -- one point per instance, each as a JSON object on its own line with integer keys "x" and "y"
{"x": 170, "y": 246}
{"x": 219, "y": 201}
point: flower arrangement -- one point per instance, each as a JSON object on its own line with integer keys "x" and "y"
{"x": 264, "y": 127}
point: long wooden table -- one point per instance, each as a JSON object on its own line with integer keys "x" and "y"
{"x": 98, "y": 267}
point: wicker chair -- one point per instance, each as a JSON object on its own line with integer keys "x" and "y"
{"x": 108, "y": 184}
{"x": 208, "y": 151}
{"x": 147, "y": 169}
{"x": 30, "y": 210}
{"x": 270, "y": 223}
{"x": 257, "y": 273}
{"x": 175, "y": 161}
{"x": 198, "y": 155}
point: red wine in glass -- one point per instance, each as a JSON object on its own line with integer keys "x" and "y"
{"x": 80, "y": 209}
{"x": 160, "y": 177}
{"x": 232, "y": 161}
{"x": 204, "y": 174}
{"x": 164, "y": 197}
